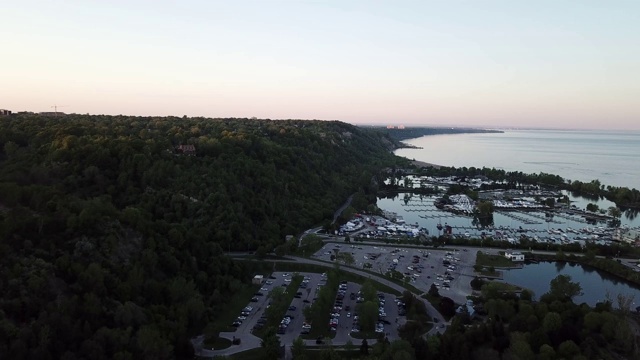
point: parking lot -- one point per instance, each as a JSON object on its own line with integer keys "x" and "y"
{"x": 428, "y": 270}
{"x": 344, "y": 316}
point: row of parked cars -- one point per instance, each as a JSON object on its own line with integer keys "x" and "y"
{"x": 243, "y": 316}
{"x": 337, "y": 306}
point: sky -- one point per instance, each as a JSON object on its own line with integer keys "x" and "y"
{"x": 484, "y": 63}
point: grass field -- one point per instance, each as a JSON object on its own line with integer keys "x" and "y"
{"x": 493, "y": 260}
{"x": 217, "y": 343}
{"x": 253, "y": 354}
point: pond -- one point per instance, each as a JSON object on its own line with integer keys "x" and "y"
{"x": 595, "y": 284}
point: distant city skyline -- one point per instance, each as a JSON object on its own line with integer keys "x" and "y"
{"x": 492, "y": 64}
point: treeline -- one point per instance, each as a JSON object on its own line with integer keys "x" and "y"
{"x": 552, "y": 328}
{"x": 416, "y": 132}
{"x": 622, "y": 196}
{"x": 112, "y": 241}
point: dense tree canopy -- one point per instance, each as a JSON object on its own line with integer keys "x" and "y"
{"x": 112, "y": 236}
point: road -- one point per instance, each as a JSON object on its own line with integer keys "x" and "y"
{"x": 342, "y": 208}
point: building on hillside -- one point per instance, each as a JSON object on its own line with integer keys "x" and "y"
{"x": 186, "y": 149}
{"x": 257, "y": 280}
{"x": 5, "y": 112}
{"x": 514, "y": 256}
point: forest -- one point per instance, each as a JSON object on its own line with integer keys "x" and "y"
{"x": 113, "y": 229}
{"x": 406, "y": 133}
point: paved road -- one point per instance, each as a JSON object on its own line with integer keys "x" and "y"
{"x": 307, "y": 232}
{"x": 342, "y": 208}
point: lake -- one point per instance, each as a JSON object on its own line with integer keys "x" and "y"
{"x": 595, "y": 284}
{"x": 610, "y": 156}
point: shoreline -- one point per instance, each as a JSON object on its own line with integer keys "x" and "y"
{"x": 423, "y": 164}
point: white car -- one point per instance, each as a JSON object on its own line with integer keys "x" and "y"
{"x": 264, "y": 289}
{"x": 348, "y": 314}
{"x": 285, "y": 274}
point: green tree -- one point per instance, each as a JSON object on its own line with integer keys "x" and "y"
{"x": 547, "y": 352}
{"x": 433, "y": 291}
{"x": 364, "y": 347}
{"x": 563, "y": 288}
{"x": 152, "y": 344}
{"x": 520, "y": 348}
{"x": 271, "y": 345}
{"x": 592, "y": 207}
{"x": 552, "y": 322}
{"x": 10, "y": 148}
{"x": 614, "y": 212}
{"x": 368, "y": 315}
{"x": 568, "y": 349}
{"x": 297, "y": 349}
{"x": 346, "y": 258}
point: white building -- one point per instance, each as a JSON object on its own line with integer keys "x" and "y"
{"x": 257, "y": 280}
{"x": 514, "y": 256}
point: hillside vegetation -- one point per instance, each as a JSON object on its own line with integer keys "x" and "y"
{"x": 112, "y": 241}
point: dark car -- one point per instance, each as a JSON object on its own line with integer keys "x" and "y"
{"x": 258, "y": 294}
{"x": 254, "y": 299}
{"x": 292, "y": 308}
{"x": 319, "y": 340}
{"x": 305, "y": 301}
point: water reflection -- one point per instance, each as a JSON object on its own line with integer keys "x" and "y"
{"x": 595, "y": 284}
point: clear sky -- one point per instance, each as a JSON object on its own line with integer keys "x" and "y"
{"x": 571, "y": 64}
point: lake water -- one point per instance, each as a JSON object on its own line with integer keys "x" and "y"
{"x": 609, "y": 156}
{"x": 595, "y": 284}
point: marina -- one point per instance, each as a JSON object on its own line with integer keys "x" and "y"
{"x": 518, "y": 217}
